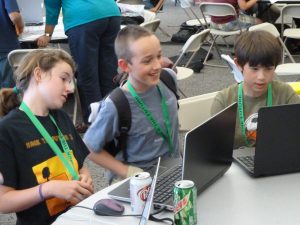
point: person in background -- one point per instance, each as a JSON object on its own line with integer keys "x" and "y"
{"x": 153, "y": 5}
{"x": 91, "y": 27}
{"x": 41, "y": 163}
{"x": 257, "y": 53}
{"x": 139, "y": 54}
{"x": 229, "y": 23}
{"x": 264, "y": 11}
{"x": 11, "y": 25}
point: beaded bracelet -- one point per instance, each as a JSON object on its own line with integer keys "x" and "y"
{"x": 41, "y": 193}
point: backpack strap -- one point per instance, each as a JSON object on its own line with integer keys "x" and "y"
{"x": 169, "y": 81}
{"x": 124, "y": 112}
{"x": 121, "y": 102}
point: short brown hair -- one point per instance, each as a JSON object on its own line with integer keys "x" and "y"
{"x": 46, "y": 59}
{"x": 125, "y": 36}
{"x": 258, "y": 48}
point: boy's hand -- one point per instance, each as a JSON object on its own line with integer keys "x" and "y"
{"x": 133, "y": 170}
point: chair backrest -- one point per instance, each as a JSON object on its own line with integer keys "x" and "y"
{"x": 273, "y": 30}
{"x": 209, "y": 9}
{"x": 151, "y": 25}
{"x": 290, "y": 10}
{"x": 194, "y": 110}
{"x": 193, "y": 44}
{"x": 217, "y": 9}
{"x": 266, "y": 27}
{"x": 16, "y": 56}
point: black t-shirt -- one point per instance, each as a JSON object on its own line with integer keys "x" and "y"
{"x": 27, "y": 160}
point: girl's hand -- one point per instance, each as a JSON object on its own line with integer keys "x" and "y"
{"x": 73, "y": 191}
{"x": 87, "y": 179}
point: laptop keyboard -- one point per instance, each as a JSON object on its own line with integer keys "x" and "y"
{"x": 165, "y": 184}
{"x": 248, "y": 161}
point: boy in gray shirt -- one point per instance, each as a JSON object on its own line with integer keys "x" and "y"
{"x": 154, "y": 119}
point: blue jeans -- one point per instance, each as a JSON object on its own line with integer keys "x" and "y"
{"x": 244, "y": 21}
{"x": 148, "y": 4}
{"x": 92, "y": 47}
{"x": 6, "y": 73}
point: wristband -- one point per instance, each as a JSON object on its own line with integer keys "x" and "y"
{"x": 48, "y": 35}
{"x": 41, "y": 193}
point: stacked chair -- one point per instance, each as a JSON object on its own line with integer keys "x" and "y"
{"x": 288, "y": 11}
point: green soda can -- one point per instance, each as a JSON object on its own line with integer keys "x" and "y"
{"x": 185, "y": 203}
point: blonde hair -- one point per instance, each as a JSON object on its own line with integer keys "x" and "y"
{"x": 125, "y": 36}
{"x": 45, "y": 59}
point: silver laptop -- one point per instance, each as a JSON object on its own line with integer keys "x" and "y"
{"x": 150, "y": 197}
{"x": 277, "y": 142}
{"x": 31, "y": 11}
{"x": 207, "y": 156}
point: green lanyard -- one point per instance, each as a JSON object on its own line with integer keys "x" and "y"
{"x": 68, "y": 162}
{"x": 241, "y": 108}
{"x": 168, "y": 135}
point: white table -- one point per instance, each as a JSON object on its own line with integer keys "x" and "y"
{"x": 31, "y": 33}
{"x": 235, "y": 199}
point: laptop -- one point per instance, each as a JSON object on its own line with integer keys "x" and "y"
{"x": 277, "y": 148}
{"x": 148, "y": 205}
{"x": 31, "y": 11}
{"x": 207, "y": 156}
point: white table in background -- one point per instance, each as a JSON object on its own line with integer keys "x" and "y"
{"x": 31, "y": 33}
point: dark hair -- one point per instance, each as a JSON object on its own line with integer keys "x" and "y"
{"x": 258, "y": 48}
{"x": 126, "y": 35}
{"x": 45, "y": 59}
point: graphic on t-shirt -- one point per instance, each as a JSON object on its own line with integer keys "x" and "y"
{"x": 251, "y": 127}
{"x": 53, "y": 169}
{"x": 41, "y": 141}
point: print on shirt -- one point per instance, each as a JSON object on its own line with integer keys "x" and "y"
{"x": 54, "y": 169}
{"x": 251, "y": 127}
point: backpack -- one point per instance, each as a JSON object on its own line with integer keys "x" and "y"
{"x": 122, "y": 105}
{"x": 185, "y": 32}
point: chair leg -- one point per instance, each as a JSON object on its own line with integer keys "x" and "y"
{"x": 164, "y": 32}
{"x": 218, "y": 52}
{"x": 76, "y": 105}
{"x": 285, "y": 50}
{"x": 179, "y": 89}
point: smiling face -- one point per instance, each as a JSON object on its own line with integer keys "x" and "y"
{"x": 145, "y": 64}
{"x": 256, "y": 79}
{"x": 56, "y": 84}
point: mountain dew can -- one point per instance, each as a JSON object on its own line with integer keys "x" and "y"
{"x": 185, "y": 203}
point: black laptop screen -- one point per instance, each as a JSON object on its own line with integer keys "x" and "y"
{"x": 209, "y": 147}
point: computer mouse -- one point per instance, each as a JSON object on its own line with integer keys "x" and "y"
{"x": 108, "y": 207}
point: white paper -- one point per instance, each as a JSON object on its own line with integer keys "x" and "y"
{"x": 131, "y": 10}
{"x": 238, "y": 76}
